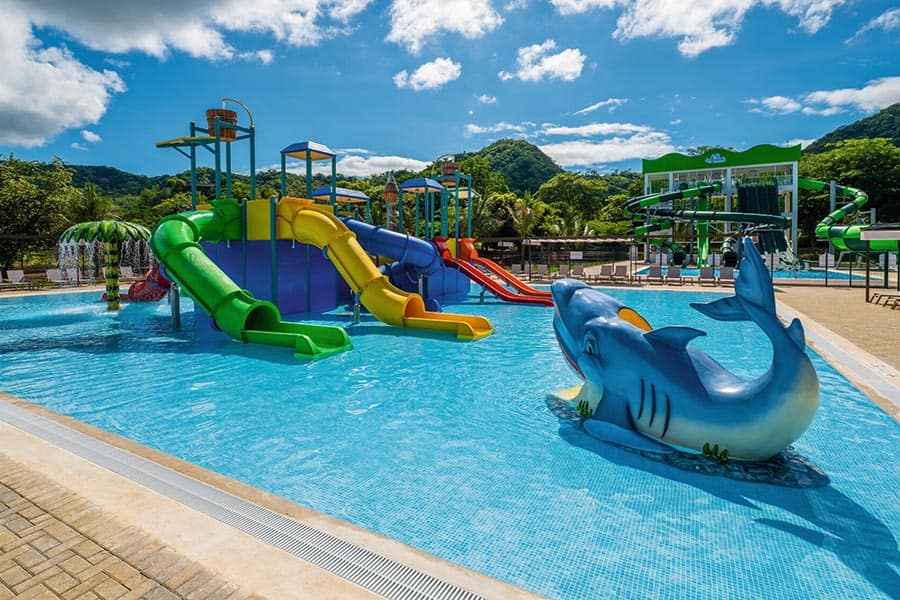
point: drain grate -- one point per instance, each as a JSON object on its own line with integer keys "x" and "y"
{"x": 369, "y": 570}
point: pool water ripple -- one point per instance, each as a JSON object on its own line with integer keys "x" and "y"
{"x": 451, "y": 447}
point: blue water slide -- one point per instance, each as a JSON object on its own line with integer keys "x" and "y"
{"x": 410, "y": 252}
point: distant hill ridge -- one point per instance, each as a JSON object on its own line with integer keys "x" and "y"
{"x": 883, "y": 124}
{"x": 523, "y": 164}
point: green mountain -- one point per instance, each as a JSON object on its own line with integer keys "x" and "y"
{"x": 110, "y": 180}
{"x": 524, "y": 165}
{"x": 884, "y": 124}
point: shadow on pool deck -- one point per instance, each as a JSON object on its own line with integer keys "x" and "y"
{"x": 856, "y": 537}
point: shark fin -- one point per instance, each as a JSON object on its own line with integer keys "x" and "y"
{"x": 675, "y": 337}
{"x": 795, "y": 332}
{"x": 725, "y": 309}
{"x": 607, "y": 432}
{"x": 753, "y": 283}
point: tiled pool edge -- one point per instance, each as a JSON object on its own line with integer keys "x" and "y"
{"x": 378, "y": 565}
{"x": 879, "y": 380}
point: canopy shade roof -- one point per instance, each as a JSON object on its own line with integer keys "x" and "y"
{"x": 314, "y": 150}
{"x": 186, "y": 141}
{"x": 342, "y": 195}
{"x": 420, "y": 185}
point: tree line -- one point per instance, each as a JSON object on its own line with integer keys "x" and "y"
{"x": 39, "y": 200}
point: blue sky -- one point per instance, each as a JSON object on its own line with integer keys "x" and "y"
{"x": 396, "y": 84}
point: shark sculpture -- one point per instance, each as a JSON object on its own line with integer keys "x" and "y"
{"x": 645, "y": 388}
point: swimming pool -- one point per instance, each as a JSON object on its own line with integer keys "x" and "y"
{"x": 779, "y": 274}
{"x": 450, "y": 447}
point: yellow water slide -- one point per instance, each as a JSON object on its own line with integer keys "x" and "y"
{"x": 309, "y": 223}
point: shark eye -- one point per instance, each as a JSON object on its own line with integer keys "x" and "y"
{"x": 590, "y": 345}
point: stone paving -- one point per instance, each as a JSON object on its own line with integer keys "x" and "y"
{"x": 55, "y": 545}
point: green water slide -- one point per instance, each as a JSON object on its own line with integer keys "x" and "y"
{"x": 176, "y": 244}
{"x": 661, "y": 218}
{"x": 846, "y": 238}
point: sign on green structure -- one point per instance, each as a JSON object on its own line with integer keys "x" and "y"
{"x": 764, "y": 154}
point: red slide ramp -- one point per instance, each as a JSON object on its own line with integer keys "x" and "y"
{"x": 521, "y": 286}
{"x": 484, "y": 280}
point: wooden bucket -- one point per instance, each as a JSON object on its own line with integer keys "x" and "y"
{"x": 228, "y": 116}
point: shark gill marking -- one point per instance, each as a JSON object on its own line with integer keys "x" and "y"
{"x": 668, "y": 416}
{"x": 652, "y": 404}
{"x": 641, "y": 409}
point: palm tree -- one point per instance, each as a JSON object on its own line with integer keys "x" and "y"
{"x": 526, "y": 213}
{"x": 112, "y": 234}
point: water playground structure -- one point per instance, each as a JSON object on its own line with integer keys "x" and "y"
{"x": 247, "y": 262}
{"x": 644, "y": 388}
{"x": 731, "y": 194}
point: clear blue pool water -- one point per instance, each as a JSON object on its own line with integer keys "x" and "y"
{"x": 450, "y": 447}
{"x": 778, "y": 274}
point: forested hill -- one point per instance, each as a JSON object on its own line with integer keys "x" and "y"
{"x": 525, "y": 167}
{"x": 884, "y": 124}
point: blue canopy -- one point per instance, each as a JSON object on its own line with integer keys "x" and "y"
{"x": 420, "y": 185}
{"x": 343, "y": 195}
{"x": 315, "y": 150}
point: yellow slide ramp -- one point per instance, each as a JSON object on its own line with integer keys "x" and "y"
{"x": 315, "y": 224}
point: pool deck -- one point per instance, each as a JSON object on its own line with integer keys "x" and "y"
{"x": 137, "y": 528}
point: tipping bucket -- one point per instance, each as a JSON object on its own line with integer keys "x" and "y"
{"x": 228, "y": 116}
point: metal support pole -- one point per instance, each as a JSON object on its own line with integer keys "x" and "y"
{"x": 401, "y": 217}
{"x": 868, "y": 249}
{"x": 283, "y": 175}
{"x": 273, "y": 209}
{"x": 444, "y": 216}
{"x": 252, "y": 162}
{"x": 228, "y": 186}
{"x": 333, "y": 182}
{"x": 369, "y": 211}
{"x": 175, "y": 306}
{"x": 244, "y": 244}
{"x": 193, "y": 168}
{"x": 832, "y": 196}
{"x": 218, "y": 173}
{"x": 356, "y": 309}
{"x": 309, "y": 182}
{"x": 456, "y": 217}
{"x": 470, "y": 200}
{"x": 417, "y": 215}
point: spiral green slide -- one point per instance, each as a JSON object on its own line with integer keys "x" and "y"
{"x": 176, "y": 244}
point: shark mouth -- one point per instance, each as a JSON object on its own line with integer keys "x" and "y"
{"x": 565, "y": 351}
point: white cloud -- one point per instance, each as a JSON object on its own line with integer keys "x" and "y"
{"x": 675, "y": 122}
{"x": 77, "y": 146}
{"x": 197, "y": 28}
{"x": 429, "y": 76}
{"x": 485, "y": 99}
{"x": 352, "y": 151}
{"x": 363, "y": 166}
{"x": 804, "y": 142}
{"x": 503, "y": 126}
{"x": 699, "y": 26}
{"x": 875, "y": 95}
{"x": 515, "y": 5}
{"x": 45, "y": 90}
{"x": 264, "y": 56}
{"x": 611, "y": 103}
{"x": 781, "y": 105}
{"x": 90, "y": 136}
{"x": 536, "y": 62}
{"x": 593, "y": 129}
{"x": 584, "y": 153}
{"x": 414, "y": 22}
{"x": 889, "y": 20}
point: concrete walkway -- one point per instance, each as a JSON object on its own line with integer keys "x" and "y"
{"x": 55, "y": 545}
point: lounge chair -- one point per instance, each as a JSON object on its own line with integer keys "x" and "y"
{"x": 726, "y": 276}
{"x": 620, "y": 273}
{"x": 673, "y": 274}
{"x": 826, "y": 260}
{"x": 578, "y": 271}
{"x": 57, "y": 277}
{"x": 707, "y": 275}
{"x": 605, "y": 274}
{"x": 654, "y": 275}
{"x": 14, "y": 279}
{"x": 563, "y": 271}
{"x": 126, "y": 273}
{"x": 543, "y": 271}
{"x": 516, "y": 269}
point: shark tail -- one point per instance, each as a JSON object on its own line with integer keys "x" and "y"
{"x": 754, "y": 299}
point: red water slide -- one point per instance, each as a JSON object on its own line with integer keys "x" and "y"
{"x": 508, "y": 277}
{"x": 485, "y": 280}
